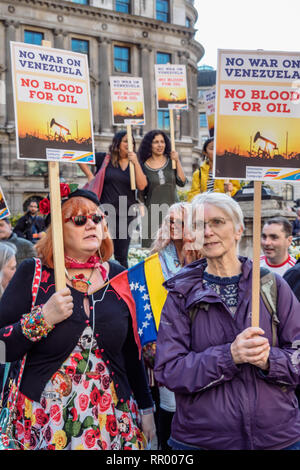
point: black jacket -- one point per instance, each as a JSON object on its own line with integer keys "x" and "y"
{"x": 23, "y": 226}
{"x": 292, "y": 277}
{"x": 112, "y": 329}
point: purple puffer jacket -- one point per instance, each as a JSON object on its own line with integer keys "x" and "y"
{"x": 221, "y": 405}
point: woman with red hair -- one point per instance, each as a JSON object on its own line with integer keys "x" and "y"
{"x": 83, "y": 376}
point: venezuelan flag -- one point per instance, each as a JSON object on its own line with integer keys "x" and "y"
{"x": 141, "y": 288}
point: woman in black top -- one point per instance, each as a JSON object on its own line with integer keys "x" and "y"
{"x": 156, "y": 157}
{"x": 83, "y": 372}
{"x": 117, "y": 197}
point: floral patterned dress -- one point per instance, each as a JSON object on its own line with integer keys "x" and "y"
{"x": 79, "y": 408}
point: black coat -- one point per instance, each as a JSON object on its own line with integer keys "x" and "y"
{"x": 292, "y": 277}
{"x": 23, "y": 226}
{"x": 111, "y": 323}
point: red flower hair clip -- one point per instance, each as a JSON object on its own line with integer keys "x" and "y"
{"x": 65, "y": 190}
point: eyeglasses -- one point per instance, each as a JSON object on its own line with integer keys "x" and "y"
{"x": 80, "y": 220}
{"x": 215, "y": 223}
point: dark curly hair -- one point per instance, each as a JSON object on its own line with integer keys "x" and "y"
{"x": 114, "y": 147}
{"x": 145, "y": 149}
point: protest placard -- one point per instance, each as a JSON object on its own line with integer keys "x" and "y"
{"x": 52, "y": 104}
{"x": 171, "y": 93}
{"x": 127, "y": 100}
{"x": 209, "y": 100}
{"x": 256, "y": 135}
{"x": 171, "y": 86}
{"x": 4, "y": 210}
{"x": 257, "y": 118}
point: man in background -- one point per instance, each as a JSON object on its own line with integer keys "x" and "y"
{"x": 31, "y": 226}
{"x": 25, "y": 248}
{"x": 276, "y": 238}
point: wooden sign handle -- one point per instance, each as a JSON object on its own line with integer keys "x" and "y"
{"x": 131, "y": 165}
{"x": 256, "y": 254}
{"x": 56, "y": 225}
{"x": 56, "y": 219}
{"x": 172, "y": 135}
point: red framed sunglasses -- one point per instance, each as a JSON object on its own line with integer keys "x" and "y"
{"x": 80, "y": 220}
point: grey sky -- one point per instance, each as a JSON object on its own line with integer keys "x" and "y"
{"x": 255, "y": 24}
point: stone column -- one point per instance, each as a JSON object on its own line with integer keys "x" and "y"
{"x": 2, "y": 96}
{"x": 10, "y": 35}
{"x": 193, "y": 101}
{"x": 104, "y": 48}
{"x": 147, "y": 73}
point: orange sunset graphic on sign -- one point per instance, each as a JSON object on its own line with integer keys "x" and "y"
{"x": 166, "y": 96}
{"x": 41, "y": 126}
{"x": 127, "y": 110}
{"x": 247, "y": 141}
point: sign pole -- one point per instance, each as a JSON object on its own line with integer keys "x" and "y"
{"x": 256, "y": 254}
{"x": 56, "y": 220}
{"x": 56, "y": 226}
{"x": 131, "y": 165}
{"x": 172, "y": 134}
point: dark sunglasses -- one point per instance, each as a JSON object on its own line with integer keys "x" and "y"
{"x": 80, "y": 220}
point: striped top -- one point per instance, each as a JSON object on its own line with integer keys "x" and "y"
{"x": 210, "y": 182}
{"x": 278, "y": 268}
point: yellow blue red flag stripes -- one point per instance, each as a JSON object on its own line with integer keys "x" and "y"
{"x": 157, "y": 292}
{"x": 143, "y": 287}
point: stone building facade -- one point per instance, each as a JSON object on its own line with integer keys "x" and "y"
{"x": 121, "y": 38}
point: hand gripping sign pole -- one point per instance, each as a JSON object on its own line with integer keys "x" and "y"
{"x": 131, "y": 165}
{"x": 56, "y": 220}
{"x": 256, "y": 254}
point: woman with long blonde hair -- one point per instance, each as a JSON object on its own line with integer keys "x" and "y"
{"x": 174, "y": 244}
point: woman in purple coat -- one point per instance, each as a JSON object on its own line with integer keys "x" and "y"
{"x": 233, "y": 389}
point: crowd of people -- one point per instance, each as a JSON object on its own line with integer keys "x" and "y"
{"x": 210, "y": 380}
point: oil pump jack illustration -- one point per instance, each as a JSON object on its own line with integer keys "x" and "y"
{"x": 269, "y": 149}
{"x": 60, "y": 131}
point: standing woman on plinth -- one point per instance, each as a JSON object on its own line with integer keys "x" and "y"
{"x": 116, "y": 185}
{"x": 156, "y": 158}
